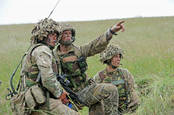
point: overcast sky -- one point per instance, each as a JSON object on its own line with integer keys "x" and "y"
{"x": 31, "y": 11}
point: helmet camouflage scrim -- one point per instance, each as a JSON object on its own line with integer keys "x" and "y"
{"x": 109, "y": 52}
{"x": 64, "y": 27}
{"x": 43, "y": 28}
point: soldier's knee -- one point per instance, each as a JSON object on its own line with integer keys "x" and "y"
{"x": 109, "y": 89}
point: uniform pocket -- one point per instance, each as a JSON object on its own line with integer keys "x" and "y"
{"x": 29, "y": 99}
{"x": 38, "y": 94}
{"x": 34, "y": 97}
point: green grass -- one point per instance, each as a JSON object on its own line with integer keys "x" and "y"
{"x": 148, "y": 44}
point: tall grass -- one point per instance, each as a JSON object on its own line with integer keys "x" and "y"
{"x": 148, "y": 45}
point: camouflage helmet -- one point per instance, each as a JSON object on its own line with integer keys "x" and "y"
{"x": 65, "y": 26}
{"x": 109, "y": 52}
{"x": 43, "y": 28}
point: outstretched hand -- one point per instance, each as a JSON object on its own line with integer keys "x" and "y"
{"x": 118, "y": 27}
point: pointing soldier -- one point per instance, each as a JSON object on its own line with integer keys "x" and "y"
{"x": 72, "y": 62}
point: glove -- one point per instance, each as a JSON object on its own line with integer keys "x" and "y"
{"x": 64, "y": 98}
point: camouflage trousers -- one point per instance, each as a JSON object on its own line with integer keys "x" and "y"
{"x": 104, "y": 93}
{"x": 55, "y": 108}
{"x": 34, "y": 102}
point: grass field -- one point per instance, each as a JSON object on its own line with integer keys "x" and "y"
{"x": 149, "y": 55}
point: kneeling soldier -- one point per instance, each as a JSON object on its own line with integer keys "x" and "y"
{"x": 120, "y": 77}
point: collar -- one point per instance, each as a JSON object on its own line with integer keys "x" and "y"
{"x": 113, "y": 72}
{"x": 71, "y": 49}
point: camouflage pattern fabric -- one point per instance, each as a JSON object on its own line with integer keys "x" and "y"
{"x": 97, "y": 93}
{"x": 94, "y": 47}
{"x": 65, "y": 26}
{"x": 40, "y": 60}
{"x": 17, "y": 104}
{"x": 97, "y": 109}
{"x": 109, "y": 52}
{"x": 70, "y": 66}
{"x": 125, "y": 87}
{"x": 43, "y": 28}
{"x": 55, "y": 108}
{"x": 89, "y": 94}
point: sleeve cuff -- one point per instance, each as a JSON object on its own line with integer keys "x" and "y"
{"x": 113, "y": 33}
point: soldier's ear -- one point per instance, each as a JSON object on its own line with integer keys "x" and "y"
{"x": 108, "y": 62}
{"x": 121, "y": 56}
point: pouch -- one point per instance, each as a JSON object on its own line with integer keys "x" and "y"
{"x": 29, "y": 99}
{"x": 38, "y": 94}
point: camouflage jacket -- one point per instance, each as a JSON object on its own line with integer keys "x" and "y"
{"x": 124, "y": 81}
{"x": 79, "y": 79}
{"x": 39, "y": 61}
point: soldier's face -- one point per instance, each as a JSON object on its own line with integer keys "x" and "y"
{"x": 115, "y": 61}
{"x": 66, "y": 36}
{"x": 52, "y": 39}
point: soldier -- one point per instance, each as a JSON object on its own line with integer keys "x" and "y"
{"x": 72, "y": 62}
{"x": 40, "y": 91}
{"x": 120, "y": 77}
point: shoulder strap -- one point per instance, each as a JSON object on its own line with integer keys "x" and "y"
{"x": 57, "y": 57}
{"x": 102, "y": 75}
{"x": 32, "y": 49}
{"x": 77, "y": 51}
{"x": 121, "y": 74}
{"x": 125, "y": 79}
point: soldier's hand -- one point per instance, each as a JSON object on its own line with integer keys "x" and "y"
{"x": 91, "y": 81}
{"x": 64, "y": 98}
{"x": 118, "y": 27}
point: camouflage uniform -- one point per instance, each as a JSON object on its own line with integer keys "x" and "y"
{"x": 121, "y": 78}
{"x": 73, "y": 63}
{"x": 39, "y": 87}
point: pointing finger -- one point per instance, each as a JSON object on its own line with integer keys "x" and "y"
{"x": 121, "y": 22}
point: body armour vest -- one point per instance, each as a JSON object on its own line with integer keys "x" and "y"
{"x": 74, "y": 67}
{"x": 119, "y": 81}
{"x": 30, "y": 68}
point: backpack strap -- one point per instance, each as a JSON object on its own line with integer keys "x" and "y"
{"x": 32, "y": 49}
{"x": 126, "y": 86}
{"x": 102, "y": 75}
{"x": 124, "y": 78}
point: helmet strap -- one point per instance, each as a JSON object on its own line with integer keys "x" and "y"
{"x": 114, "y": 67}
{"x": 109, "y": 63}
